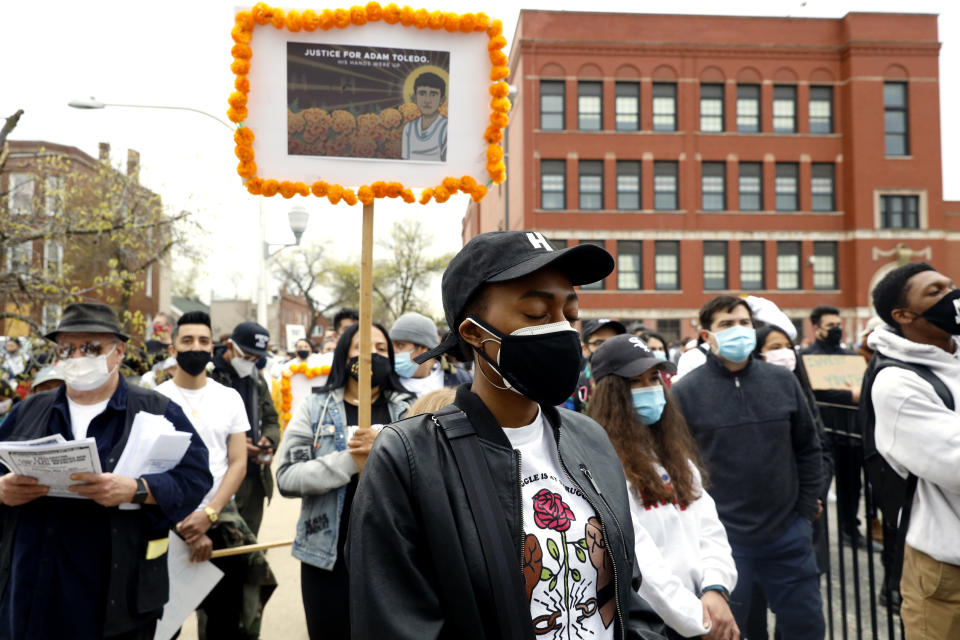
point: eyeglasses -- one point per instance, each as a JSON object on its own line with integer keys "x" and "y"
{"x": 92, "y": 349}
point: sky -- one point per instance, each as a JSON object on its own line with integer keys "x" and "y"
{"x": 177, "y": 53}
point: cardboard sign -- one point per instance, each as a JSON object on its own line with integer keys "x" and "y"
{"x": 835, "y": 372}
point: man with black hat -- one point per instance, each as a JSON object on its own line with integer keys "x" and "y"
{"x": 235, "y": 365}
{"x": 85, "y": 568}
{"x": 593, "y": 334}
{"x": 448, "y": 503}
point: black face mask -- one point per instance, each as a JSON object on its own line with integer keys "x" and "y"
{"x": 945, "y": 314}
{"x": 193, "y": 362}
{"x": 379, "y": 368}
{"x": 541, "y": 363}
{"x": 834, "y": 336}
{"x": 303, "y": 354}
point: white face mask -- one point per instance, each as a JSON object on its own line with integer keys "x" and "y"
{"x": 786, "y": 358}
{"x": 240, "y": 364}
{"x": 87, "y": 372}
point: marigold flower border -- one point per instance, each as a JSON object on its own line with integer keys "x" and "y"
{"x": 286, "y": 392}
{"x": 309, "y": 20}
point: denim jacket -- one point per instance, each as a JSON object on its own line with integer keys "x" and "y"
{"x": 315, "y": 465}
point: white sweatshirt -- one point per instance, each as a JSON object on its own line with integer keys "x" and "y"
{"x": 680, "y": 551}
{"x": 916, "y": 433}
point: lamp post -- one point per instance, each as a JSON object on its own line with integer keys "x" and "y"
{"x": 298, "y": 216}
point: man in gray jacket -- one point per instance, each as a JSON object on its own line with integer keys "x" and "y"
{"x": 762, "y": 452}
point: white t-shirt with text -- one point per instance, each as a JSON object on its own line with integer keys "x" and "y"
{"x": 568, "y": 576}
{"x": 216, "y": 412}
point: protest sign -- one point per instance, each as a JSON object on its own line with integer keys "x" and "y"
{"x": 835, "y": 371}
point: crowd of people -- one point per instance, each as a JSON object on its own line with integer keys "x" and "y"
{"x": 519, "y": 477}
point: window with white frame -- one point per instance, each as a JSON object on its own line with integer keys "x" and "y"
{"x": 752, "y": 275}
{"x": 53, "y": 195}
{"x": 664, "y": 106}
{"x": 751, "y": 186}
{"x": 822, "y": 187}
{"x": 591, "y": 184}
{"x": 824, "y": 265}
{"x": 628, "y": 106}
{"x": 714, "y": 186}
{"x": 551, "y": 105}
{"x": 821, "y": 109}
{"x": 629, "y": 264}
{"x": 788, "y": 265}
{"x": 666, "y": 265}
{"x": 53, "y": 257}
{"x": 628, "y": 185}
{"x": 20, "y": 193}
{"x": 714, "y": 265}
{"x": 711, "y": 107}
{"x": 589, "y": 106}
{"x": 785, "y": 186}
{"x": 748, "y": 108}
{"x": 785, "y": 109}
{"x": 665, "y": 194}
{"x": 20, "y": 257}
{"x": 553, "y": 181}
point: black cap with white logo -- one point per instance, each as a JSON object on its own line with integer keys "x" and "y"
{"x": 499, "y": 256}
{"x": 251, "y": 337}
{"x": 626, "y": 356}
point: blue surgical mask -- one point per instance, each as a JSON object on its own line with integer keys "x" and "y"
{"x": 659, "y": 355}
{"x": 736, "y": 343}
{"x": 403, "y": 365}
{"x": 649, "y": 403}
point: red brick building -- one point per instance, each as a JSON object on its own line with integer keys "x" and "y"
{"x": 793, "y": 158}
{"x": 46, "y": 190}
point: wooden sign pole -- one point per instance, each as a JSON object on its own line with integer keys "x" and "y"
{"x": 366, "y": 317}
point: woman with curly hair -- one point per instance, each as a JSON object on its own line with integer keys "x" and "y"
{"x": 681, "y": 546}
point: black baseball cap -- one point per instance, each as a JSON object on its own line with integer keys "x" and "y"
{"x": 251, "y": 337}
{"x": 499, "y": 256}
{"x": 590, "y": 327}
{"x": 626, "y": 356}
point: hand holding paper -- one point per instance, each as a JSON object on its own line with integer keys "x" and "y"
{"x": 106, "y": 489}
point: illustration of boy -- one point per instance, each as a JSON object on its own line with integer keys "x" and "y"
{"x": 426, "y": 137}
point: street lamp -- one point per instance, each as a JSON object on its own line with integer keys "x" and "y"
{"x": 93, "y": 103}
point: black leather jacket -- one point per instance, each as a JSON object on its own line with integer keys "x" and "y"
{"x": 413, "y": 552}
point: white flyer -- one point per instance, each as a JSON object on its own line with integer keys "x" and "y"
{"x": 52, "y": 463}
{"x": 190, "y": 582}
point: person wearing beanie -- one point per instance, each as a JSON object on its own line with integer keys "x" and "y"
{"x": 414, "y": 334}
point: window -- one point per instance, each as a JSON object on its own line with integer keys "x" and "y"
{"x": 821, "y": 187}
{"x": 895, "y": 118}
{"x": 53, "y": 257}
{"x": 669, "y": 328}
{"x": 748, "y": 108}
{"x": 785, "y": 109}
{"x": 824, "y": 265}
{"x": 785, "y": 186}
{"x": 711, "y": 107}
{"x": 20, "y": 193}
{"x": 591, "y": 184}
{"x": 557, "y": 244}
{"x": 713, "y": 186}
{"x": 788, "y": 265}
{"x": 590, "y": 106}
{"x": 629, "y": 264}
{"x": 20, "y": 257}
{"x": 667, "y": 265}
{"x": 551, "y": 105}
{"x": 714, "y": 265}
{"x": 628, "y": 106}
{"x": 899, "y": 212}
{"x": 600, "y": 283}
{"x": 665, "y": 186}
{"x": 628, "y": 184}
{"x": 148, "y": 277}
{"x": 553, "y": 182}
{"x": 664, "y": 106}
{"x": 53, "y": 195}
{"x": 752, "y": 273}
{"x": 751, "y": 186}
{"x": 51, "y": 316}
{"x": 821, "y": 109}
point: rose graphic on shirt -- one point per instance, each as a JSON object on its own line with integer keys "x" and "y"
{"x": 551, "y": 512}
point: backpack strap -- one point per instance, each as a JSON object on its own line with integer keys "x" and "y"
{"x": 513, "y": 619}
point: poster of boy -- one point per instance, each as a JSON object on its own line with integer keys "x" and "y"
{"x": 367, "y": 102}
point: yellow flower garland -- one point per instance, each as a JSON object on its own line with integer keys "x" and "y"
{"x": 286, "y": 393}
{"x": 309, "y": 20}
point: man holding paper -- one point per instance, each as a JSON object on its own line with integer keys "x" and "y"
{"x": 81, "y": 567}
{"x": 218, "y": 413}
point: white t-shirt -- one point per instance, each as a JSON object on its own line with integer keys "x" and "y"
{"x": 425, "y": 144}
{"x": 216, "y": 412}
{"x": 81, "y": 415}
{"x": 565, "y": 559}
{"x": 422, "y": 386}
